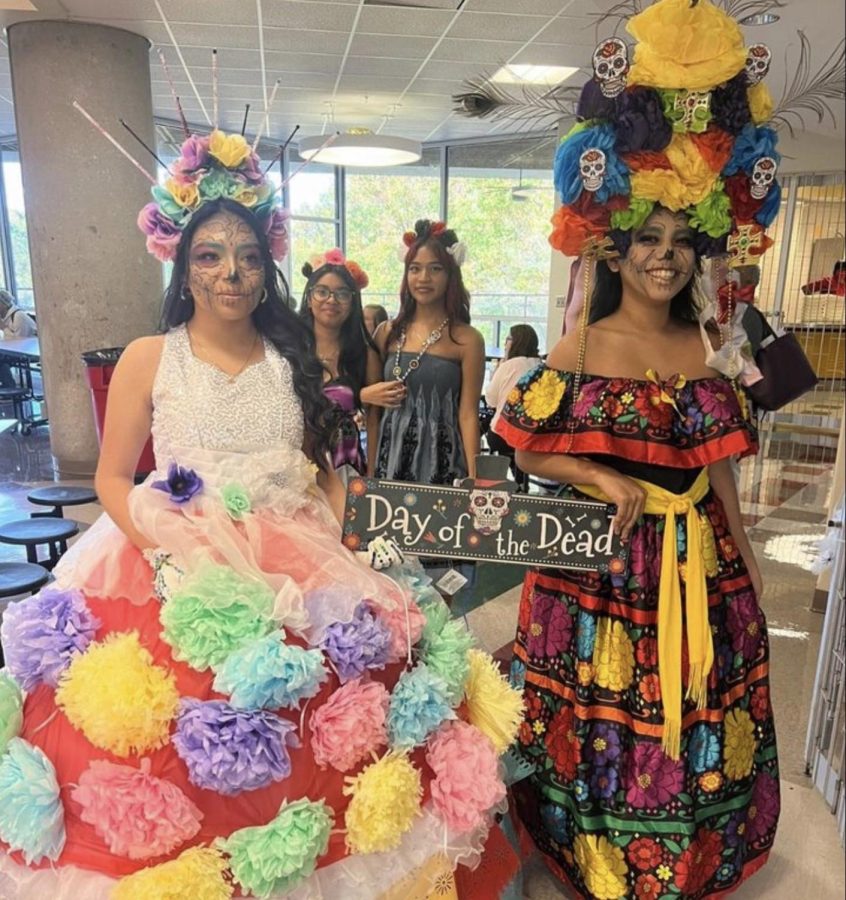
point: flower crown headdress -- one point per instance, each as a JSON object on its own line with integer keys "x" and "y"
{"x": 335, "y": 257}
{"x": 681, "y": 125}
{"x": 426, "y": 229}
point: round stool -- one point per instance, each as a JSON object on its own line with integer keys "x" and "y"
{"x": 32, "y": 532}
{"x": 21, "y": 578}
{"x": 59, "y": 497}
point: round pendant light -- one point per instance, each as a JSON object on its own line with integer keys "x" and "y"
{"x": 361, "y": 147}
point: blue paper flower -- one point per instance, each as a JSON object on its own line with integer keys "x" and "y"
{"x": 585, "y": 635}
{"x": 751, "y": 144}
{"x": 32, "y": 819}
{"x": 269, "y": 674}
{"x": 419, "y": 704}
{"x": 40, "y": 635}
{"x": 363, "y": 643}
{"x": 229, "y": 750}
{"x": 556, "y": 821}
{"x": 770, "y": 206}
{"x": 517, "y": 674}
{"x": 181, "y": 483}
{"x": 567, "y": 171}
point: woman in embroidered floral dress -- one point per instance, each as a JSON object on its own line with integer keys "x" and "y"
{"x": 213, "y": 681}
{"x": 618, "y": 810}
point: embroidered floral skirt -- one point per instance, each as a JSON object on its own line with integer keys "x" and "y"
{"x": 615, "y": 817}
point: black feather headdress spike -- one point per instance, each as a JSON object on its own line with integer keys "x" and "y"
{"x": 809, "y": 93}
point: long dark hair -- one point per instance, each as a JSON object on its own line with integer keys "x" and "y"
{"x": 608, "y": 293}
{"x": 457, "y": 300}
{"x": 274, "y": 319}
{"x": 354, "y": 339}
{"x": 524, "y": 341}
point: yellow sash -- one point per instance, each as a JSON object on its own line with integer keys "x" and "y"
{"x": 700, "y": 647}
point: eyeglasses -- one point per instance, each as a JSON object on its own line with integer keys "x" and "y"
{"x": 322, "y": 294}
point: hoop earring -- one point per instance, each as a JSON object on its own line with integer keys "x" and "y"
{"x": 186, "y": 293}
{"x": 263, "y": 296}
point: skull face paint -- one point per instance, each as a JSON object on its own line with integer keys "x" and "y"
{"x": 763, "y": 176}
{"x": 488, "y": 509}
{"x": 592, "y": 168}
{"x": 610, "y": 66}
{"x": 758, "y": 59}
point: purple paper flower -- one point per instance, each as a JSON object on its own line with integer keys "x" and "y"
{"x": 593, "y": 104}
{"x": 42, "y": 633}
{"x": 163, "y": 234}
{"x": 641, "y": 123}
{"x": 604, "y": 782}
{"x": 230, "y": 750}
{"x": 652, "y": 778}
{"x": 277, "y": 233}
{"x": 745, "y": 624}
{"x": 603, "y": 746}
{"x": 181, "y": 483}
{"x": 250, "y": 170}
{"x": 730, "y": 105}
{"x": 363, "y": 643}
{"x": 195, "y": 153}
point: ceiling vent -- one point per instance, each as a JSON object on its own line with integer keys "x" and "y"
{"x": 447, "y": 5}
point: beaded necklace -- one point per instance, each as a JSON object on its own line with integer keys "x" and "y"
{"x": 433, "y": 338}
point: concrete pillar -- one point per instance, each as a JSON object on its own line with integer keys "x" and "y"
{"x": 95, "y": 285}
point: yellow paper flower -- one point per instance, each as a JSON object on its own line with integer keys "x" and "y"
{"x": 493, "y": 706}
{"x": 385, "y": 799}
{"x": 603, "y": 866}
{"x": 613, "y": 655}
{"x": 542, "y": 398}
{"x": 513, "y": 396}
{"x": 709, "y": 548}
{"x": 185, "y": 195}
{"x": 740, "y": 744}
{"x": 689, "y": 181}
{"x": 760, "y": 103}
{"x": 246, "y": 196}
{"x": 229, "y": 149}
{"x": 685, "y": 46}
{"x": 196, "y": 873}
{"x": 117, "y": 698}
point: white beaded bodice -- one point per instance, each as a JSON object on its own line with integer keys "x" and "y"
{"x": 197, "y": 405}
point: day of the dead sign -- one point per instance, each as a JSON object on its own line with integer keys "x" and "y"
{"x": 479, "y": 522}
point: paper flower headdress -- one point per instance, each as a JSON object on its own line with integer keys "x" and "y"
{"x": 208, "y": 168}
{"x": 424, "y": 230}
{"x": 681, "y": 124}
{"x": 335, "y": 257}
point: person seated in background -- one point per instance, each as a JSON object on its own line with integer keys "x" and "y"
{"x": 521, "y": 356}
{"x": 374, "y": 316}
{"x": 14, "y": 324}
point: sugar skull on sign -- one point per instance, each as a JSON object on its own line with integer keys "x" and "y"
{"x": 490, "y": 493}
{"x": 763, "y": 176}
{"x": 610, "y": 66}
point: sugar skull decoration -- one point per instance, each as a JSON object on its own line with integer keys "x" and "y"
{"x": 758, "y": 61}
{"x": 592, "y": 167}
{"x": 490, "y": 493}
{"x": 610, "y": 66}
{"x": 763, "y": 177}
{"x": 691, "y": 111}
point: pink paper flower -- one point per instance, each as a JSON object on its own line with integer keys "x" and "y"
{"x": 396, "y": 620}
{"x": 277, "y": 233}
{"x": 467, "y": 782}
{"x": 163, "y": 235}
{"x": 135, "y": 813}
{"x": 335, "y": 257}
{"x": 652, "y": 778}
{"x": 350, "y": 725}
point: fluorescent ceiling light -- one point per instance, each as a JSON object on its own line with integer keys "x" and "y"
{"x": 517, "y": 74}
{"x": 760, "y": 19}
{"x": 360, "y": 147}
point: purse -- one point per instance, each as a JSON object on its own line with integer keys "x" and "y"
{"x": 787, "y": 373}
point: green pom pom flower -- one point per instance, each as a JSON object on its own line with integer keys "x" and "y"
{"x": 444, "y": 649}
{"x": 11, "y": 711}
{"x": 274, "y": 858}
{"x": 638, "y": 211}
{"x": 236, "y": 500}
{"x": 214, "y": 612}
{"x": 713, "y": 214}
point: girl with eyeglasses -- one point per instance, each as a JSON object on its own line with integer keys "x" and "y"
{"x": 331, "y": 305}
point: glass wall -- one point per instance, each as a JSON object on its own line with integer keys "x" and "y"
{"x": 381, "y": 204}
{"x": 19, "y": 265}
{"x": 500, "y": 202}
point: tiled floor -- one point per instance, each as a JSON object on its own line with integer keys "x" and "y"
{"x": 784, "y": 506}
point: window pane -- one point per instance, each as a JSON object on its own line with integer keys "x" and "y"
{"x": 312, "y": 190}
{"x": 382, "y": 204}
{"x": 17, "y": 230}
{"x": 500, "y": 202}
